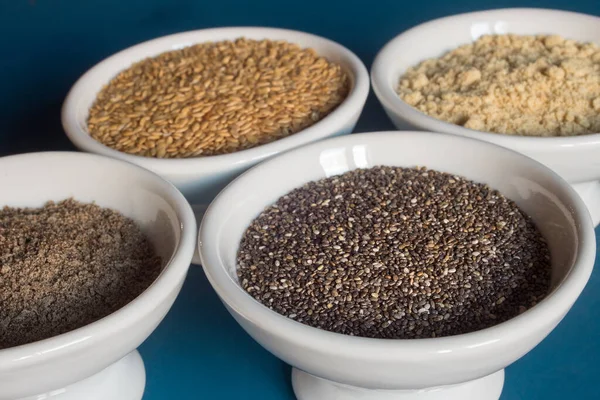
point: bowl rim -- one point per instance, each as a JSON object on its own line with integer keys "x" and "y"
{"x": 353, "y": 103}
{"x": 380, "y": 74}
{"x": 239, "y": 302}
{"x": 172, "y": 274}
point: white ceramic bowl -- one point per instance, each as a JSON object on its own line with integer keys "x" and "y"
{"x": 463, "y": 367}
{"x": 99, "y": 360}
{"x": 201, "y": 178}
{"x": 574, "y": 158}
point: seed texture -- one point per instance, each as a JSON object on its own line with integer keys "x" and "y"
{"x": 397, "y": 253}
{"x": 216, "y": 98}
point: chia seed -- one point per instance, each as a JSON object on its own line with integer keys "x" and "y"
{"x": 395, "y": 253}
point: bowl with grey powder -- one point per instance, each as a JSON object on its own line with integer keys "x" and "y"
{"x": 398, "y": 261}
{"x": 93, "y": 252}
{"x": 526, "y": 79}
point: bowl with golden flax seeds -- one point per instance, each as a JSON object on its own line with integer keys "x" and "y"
{"x": 526, "y": 79}
{"x": 200, "y": 107}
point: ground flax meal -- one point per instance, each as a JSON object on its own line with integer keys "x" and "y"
{"x": 66, "y": 265}
{"x": 511, "y": 84}
{"x": 216, "y": 98}
{"x": 395, "y": 253}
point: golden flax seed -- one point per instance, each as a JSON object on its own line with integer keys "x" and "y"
{"x": 216, "y": 98}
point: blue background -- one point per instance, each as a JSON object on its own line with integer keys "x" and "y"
{"x": 199, "y": 352}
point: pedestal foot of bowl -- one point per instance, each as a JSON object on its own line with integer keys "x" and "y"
{"x": 310, "y": 387}
{"x": 124, "y": 380}
{"x": 590, "y": 193}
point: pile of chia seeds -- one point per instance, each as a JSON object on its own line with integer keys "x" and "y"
{"x": 397, "y": 253}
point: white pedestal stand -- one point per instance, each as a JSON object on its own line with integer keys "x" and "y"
{"x": 309, "y": 387}
{"x": 124, "y": 380}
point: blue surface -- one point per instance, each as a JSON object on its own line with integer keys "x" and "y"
{"x": 199, "y": 352}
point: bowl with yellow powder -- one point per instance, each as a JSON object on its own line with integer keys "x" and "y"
{"x": 527, "y": 79}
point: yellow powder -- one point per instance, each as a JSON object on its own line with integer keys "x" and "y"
{"x": 511, "y": 84}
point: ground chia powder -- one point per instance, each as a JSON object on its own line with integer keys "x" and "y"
{"x": 66, "y": 265}
{"x": 395, "y": 253}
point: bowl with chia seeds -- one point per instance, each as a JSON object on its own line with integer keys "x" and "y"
{"x": 493, "y": 75}
{"x": 93, "y": 253}
{"x": 200, "y": 107}
{"x": 384, "y": 265}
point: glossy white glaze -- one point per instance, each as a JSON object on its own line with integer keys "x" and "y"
{"x": 574, "y": 158}
{"x": 401, "y": 364}
{"x": 59, "y": 365}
